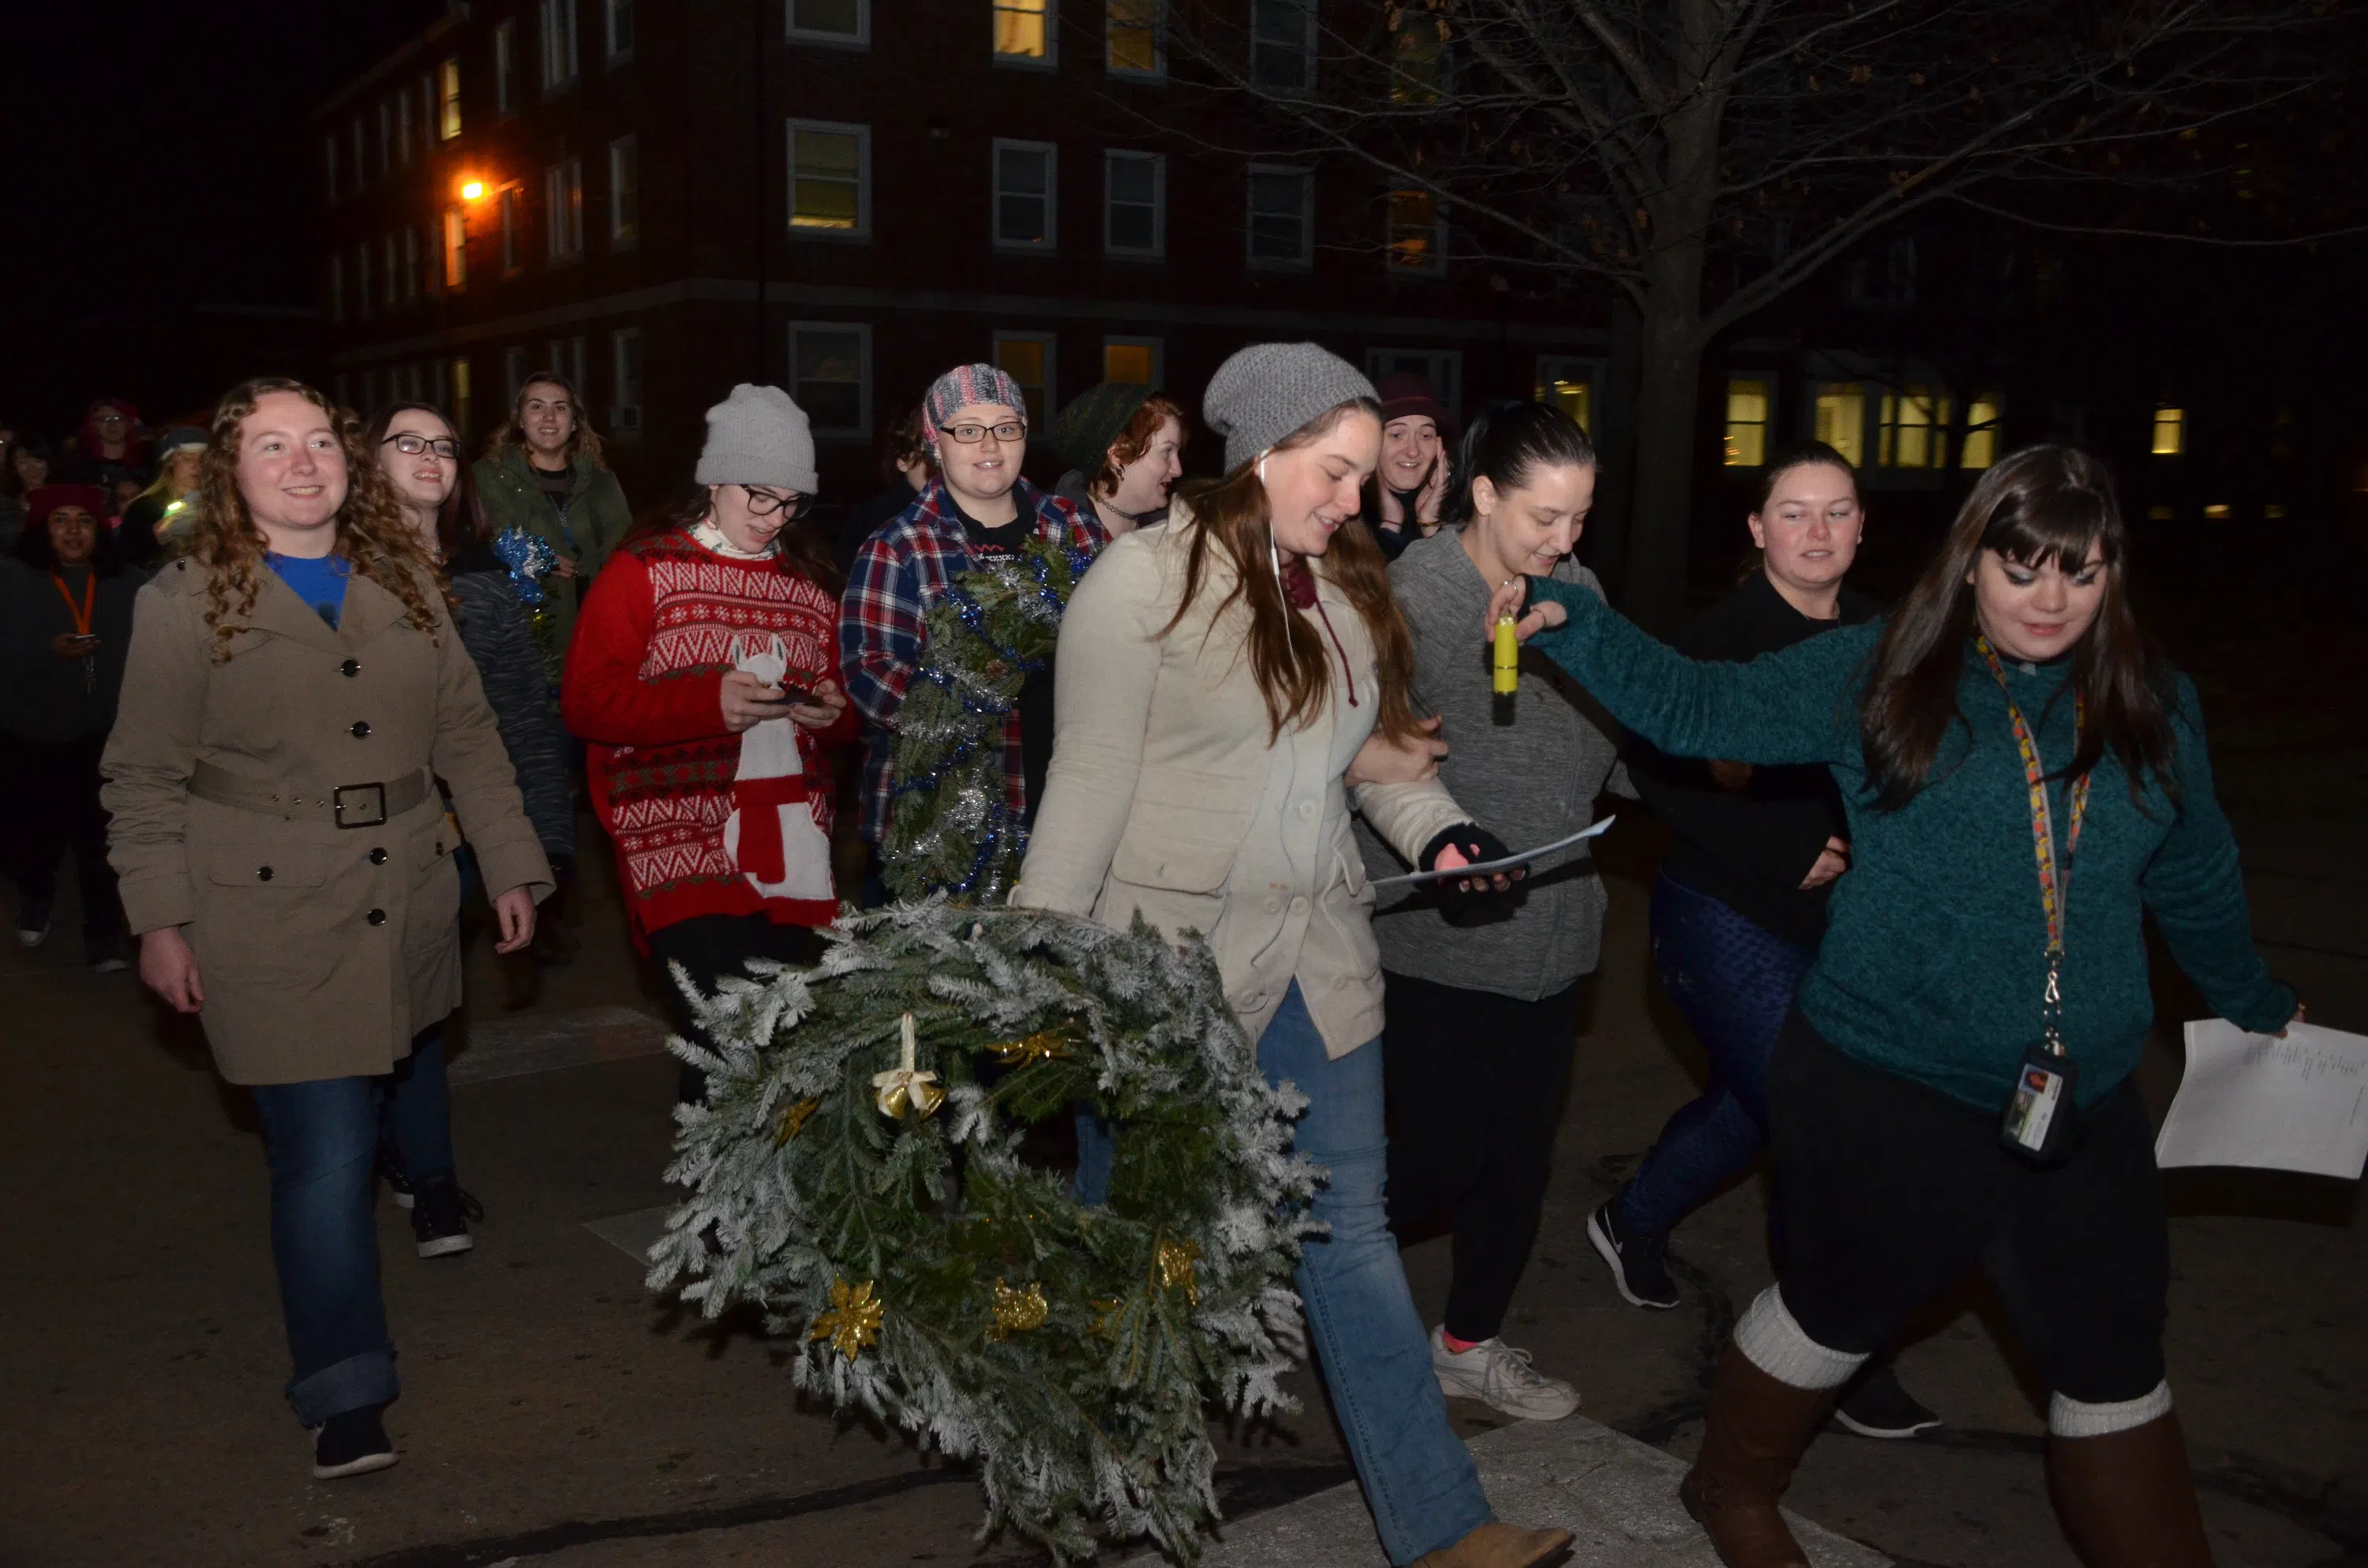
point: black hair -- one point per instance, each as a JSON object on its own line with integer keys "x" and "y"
{"x": 1800, "y": 454}
{"x": 34, "y": 549}
{"x": 1506, "y": 442}
{"x": 32, "y": 446}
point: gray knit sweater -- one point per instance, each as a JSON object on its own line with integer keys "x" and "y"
{"x": 1530, "y": 783}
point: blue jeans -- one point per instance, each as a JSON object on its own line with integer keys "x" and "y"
{"x": 1734, "y": 980}
{"x": 320, "y": 1139}
{"x": 1370, "y": 1342}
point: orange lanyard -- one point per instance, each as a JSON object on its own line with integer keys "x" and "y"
{"x": 89, "y": 596}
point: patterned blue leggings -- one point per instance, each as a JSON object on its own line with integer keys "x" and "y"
{"x": 1734, "y": 980}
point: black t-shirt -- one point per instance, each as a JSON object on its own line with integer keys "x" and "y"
{"x": 1749, "y": 849}
{"x": 987, "y": 545}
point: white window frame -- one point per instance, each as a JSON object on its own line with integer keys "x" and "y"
{"x": 860, "y": 38}
{"x": 861, "y": 429}
{"x": 624, "y": 176}
{"x": 1049, "y": 391}
{"x": 1443, "y": 368}
{"x": 1306, "y": 258}
{"x": 1437, "y": 266}
{"x": 1727, "y": 423}
{"x": 1158, "y": 347}
{"x": 506, "y": 98}
{"x": 563, "y": 201}
{"x": 625, "y": 412}
{"x": 561, "y": 53}
{"x": 1158, "y": 249}
{"x": 447, "y": 99}
{"x": 609, "y": 11}
{"x": 1049, "y": 60}
{"x": 1157, "y": 71}
{"x": 1050, "y": 243}
{"x": 862, "y": 134}
{"x": 1307, "y": 46}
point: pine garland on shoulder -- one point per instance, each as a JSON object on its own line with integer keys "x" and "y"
{"x": 858, "y": 1171}
{"x": 950, "y": 830}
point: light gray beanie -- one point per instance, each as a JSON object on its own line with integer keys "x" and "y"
{"x": 1269, "y": 389}
{"x": 758, "y": 436}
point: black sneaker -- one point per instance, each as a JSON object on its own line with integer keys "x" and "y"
{"x": 440, "y": 1218}
{"x": 33, "y": 918}
{"x": 1640, "y": 1265}
{"x": 353, "y": 1442}
{"x": 1874, "y": 1405}
{"x": 106, "y": 953}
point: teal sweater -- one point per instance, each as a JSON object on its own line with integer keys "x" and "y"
{"x": 1935, "y": 953}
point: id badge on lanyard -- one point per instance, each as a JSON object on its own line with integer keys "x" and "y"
{"x": 2041, "y": 1122}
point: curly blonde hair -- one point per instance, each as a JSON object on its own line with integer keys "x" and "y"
{"x": 373, "y": 535}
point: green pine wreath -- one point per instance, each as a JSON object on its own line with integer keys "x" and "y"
{"x": 939, "y": 1280}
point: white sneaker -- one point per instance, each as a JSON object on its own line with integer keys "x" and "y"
{"x": 1501, "y": 1377}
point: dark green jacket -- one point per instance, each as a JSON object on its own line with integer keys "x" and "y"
{"x": 597, "y": 520}
{"x": 1934, "y": 958}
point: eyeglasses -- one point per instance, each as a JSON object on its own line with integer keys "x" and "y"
{"x": 765, "y": 503}
{"x": 971, "y": 435}
{"x": 419, "y": 446}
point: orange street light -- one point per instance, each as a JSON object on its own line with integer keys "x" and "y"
{"x": 472, "y": 190}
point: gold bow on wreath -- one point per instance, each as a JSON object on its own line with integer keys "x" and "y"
{"x": 1042, "y": 1046}
{"x": 1017, "y": 1311}
{"x": 904, "y": 1087}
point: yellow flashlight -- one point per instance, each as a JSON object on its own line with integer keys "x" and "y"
{"x": 1508, "y": 662}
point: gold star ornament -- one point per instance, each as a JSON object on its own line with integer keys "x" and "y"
{"x": 1017, "y": 1311}
{"x": 853, "y": 1320}
{"x": 1172, "y": 1261}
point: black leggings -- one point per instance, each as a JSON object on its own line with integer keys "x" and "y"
{"x": 1891, "y": 1191}
{"x": 709, "y": 946}
{"x": 1475, "y": 1082}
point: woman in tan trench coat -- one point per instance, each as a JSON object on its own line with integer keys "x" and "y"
{"x": 295, "y": 688}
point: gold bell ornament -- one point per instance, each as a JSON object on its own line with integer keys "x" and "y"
{"x": 904, "y": 1087}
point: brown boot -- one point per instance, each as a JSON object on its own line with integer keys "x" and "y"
{"x": 1495, "y": 1545}
{"x": 1758, "y": 1427}
{"x": 2127, "y": 1499}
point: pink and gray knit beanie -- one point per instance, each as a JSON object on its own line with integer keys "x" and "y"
{"x": 966, "y": 385}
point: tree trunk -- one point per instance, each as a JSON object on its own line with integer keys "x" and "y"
{"x": 1667, "y": 402}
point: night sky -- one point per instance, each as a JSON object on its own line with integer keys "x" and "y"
{"x": 160, "y": 157}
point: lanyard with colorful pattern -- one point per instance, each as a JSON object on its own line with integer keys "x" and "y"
{"x": 2054, "y": 882}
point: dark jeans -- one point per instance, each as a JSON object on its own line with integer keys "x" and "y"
{"x": 1475, "y": 1083}
{"x": 51, "y": 810}
{"x": 1892, "y": 1191}
{"x": 1734, "y": 982}
{"x": 709, "y": 946}
{"x": 320, "y": 1139}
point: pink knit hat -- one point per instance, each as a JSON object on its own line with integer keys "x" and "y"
{"x": 965, "y": 386}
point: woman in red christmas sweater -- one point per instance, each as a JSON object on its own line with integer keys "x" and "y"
{"x": 704, "y": 671}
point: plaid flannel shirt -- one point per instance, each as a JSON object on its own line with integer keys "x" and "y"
{"x": 898, "y": 574}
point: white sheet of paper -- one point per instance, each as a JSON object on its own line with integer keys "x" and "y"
{"x": 2296, "y": 1103}
{"x": 1484, "y": 866}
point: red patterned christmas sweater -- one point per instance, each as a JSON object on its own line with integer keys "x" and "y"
{"x": 666, "y": 620}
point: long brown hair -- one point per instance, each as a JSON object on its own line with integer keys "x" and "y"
{"x": 372, "y": 533}
{"x": 1287, "y": 656}
{"x": 2039, "y": 504}
{"x": 511, "y": 436}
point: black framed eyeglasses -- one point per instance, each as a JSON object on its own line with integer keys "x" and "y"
{"x": 1010, "y": 430}
{"x": 412, "y": 445}
{"x": 788, "y": 503}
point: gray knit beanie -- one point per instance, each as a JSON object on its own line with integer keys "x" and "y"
{"x": 758, "y": 436}
{"x": 1269, "y": 389}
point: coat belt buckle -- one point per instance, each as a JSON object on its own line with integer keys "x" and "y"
{"x": 338, "y": 803}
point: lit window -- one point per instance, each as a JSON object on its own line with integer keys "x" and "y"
{"x": 1751, "y": 401}
{"x": 1138, "y": 361}
{"x": 830, "y": 376}
{"x": 1280, "y": 226}
{"x": 1134, "y": 41}
{"x": 1417, "y": 235}
{"x": 505, "y": 69}
{"x": 562, "y": 205}
{"x": 2169, "y": 432}
{"x": 1027, "y": 358}
{"x": 831, "y": 21}
{"x": 1024, "y": 195}
{"x": 624, "y": 194}
{"x": 558, "y": 44}
{"x": 625, "y": 367}
{"x": 1980, "y": 448}
{"x": 830, "y": 178}
{"x": 1282, "y": 44}
{"x": 621, "y": 31}
{"x": 1135, "y": 220}
{"x": 448, "y": 91}
{"x": 2219, "y": 512}
{"x": 457, "y": 377}
{"x": 1840, "y": 414}
{"x": 1912, "y": 429}
{"x": 1418, "y": 56}
{"x": 1569, "y": 385}
{"x": 1023, "y": 29}
{"x": 456, "y": 249}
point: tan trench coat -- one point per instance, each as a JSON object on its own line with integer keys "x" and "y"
{"x": 321, "y": 949}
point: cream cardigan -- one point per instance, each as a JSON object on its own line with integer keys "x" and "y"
{"x": 1166, "y": 797}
